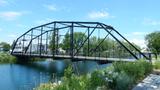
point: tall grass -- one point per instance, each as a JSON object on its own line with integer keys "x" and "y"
{"x": 7, "y": 58}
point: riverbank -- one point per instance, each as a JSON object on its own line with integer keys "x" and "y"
{"x": 7, "y": 58}
{"x": 118, "y": 76}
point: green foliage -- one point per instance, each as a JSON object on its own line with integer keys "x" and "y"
{"x": 7, "y": 58}
{"x": 156, "y": 65}
{"x": 5, "y": 46}
{"x": 96, "y": 80}
{"x": 123, "y": 81}
{"x": 153, "y": 42}
{"x": 68, "y": 72}
{"x": 122, "y": 75}
{"x": 48, "y": 86}
{"x": 108, "y": 47}
{"x": 136, "y": 69}
{"x": 148, "y": 67}
{"x": 78, "y": 39}
{"x": 118, "y": 76}
{"x": 73, "y": 82}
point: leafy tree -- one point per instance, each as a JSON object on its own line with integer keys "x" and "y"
{"x": 79, "y": 37}
{"x": 153, "y": 42}
{"x": 5, "y": 46}
{"x": 51, "y": 43}
{"x": 108, "y": 47}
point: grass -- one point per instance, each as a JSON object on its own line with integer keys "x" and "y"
{"x": 119, "y": 76}
{"x": 6, "y": 58}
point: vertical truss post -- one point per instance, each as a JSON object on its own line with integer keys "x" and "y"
{"x": 41, "y": 42}
{"x": 46, "y": 42}
{"x": 71, "y": 41}
{"x": 23, "y": 44}
{"x": 57, "y": 41}
{"x": 88, "y": 40}
{"x": 54, "y": 41}
{"x": 31, "y": 42}
{"x": 38, "y": 46}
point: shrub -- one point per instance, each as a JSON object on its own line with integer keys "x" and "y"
{"x": 131, "y": 69}
{"x": 7, "y": 58}
{"x": 123, "y": 81}
{"x": 48, "y": 86}
{"x": 147, "y": 66}
{"x": 71, "y": 81}
{"x": 136, "y": 69}
{"x": 156, "y": 65}
{"x": 97, "y": 79}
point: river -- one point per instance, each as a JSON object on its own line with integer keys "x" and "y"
{"x": 31, "y": 75}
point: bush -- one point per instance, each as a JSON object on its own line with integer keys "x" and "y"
{"x": 73, "y": 82}
{"x": 7, "y": 58}
{"x": 132, "y": 69}
{"x": 48, "y": 86}
{"x": 156, "y": 65}
{"x": 123, "y": 81}
{"x": 147, "y": 66}
{"x": 136, "y": 69}
{"x": 97, "y": 79}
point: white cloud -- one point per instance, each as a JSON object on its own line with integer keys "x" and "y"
{"x": 10, "y": 15}
{"x": 50, "y": 7}
{"x": 99, "y": 15}
{"x": 148, "y": 21}
{"x": 137, "y": 38}
{"x": 3, "y": 2}
{"x": 139, "y": 42}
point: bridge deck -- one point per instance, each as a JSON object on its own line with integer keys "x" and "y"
{"x": 77, "y": 58}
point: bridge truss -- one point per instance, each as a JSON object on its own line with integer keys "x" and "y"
{"x": 77, "y": 41}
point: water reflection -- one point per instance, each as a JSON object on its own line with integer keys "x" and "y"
{"x": 28, "y": 76}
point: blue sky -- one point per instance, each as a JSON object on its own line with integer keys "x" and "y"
{"x": 132, "y": 18}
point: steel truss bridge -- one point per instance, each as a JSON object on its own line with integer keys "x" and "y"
{"x": 76, "y": 41}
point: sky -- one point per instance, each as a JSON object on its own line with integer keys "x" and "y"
{"x": 132, "y": 18}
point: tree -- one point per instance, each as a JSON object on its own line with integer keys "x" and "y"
{"x": 6, "y": 47}
{"x": 77, "y": 40}
{"x": 79, "y": 37}
{"x": 153, "y": 42}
